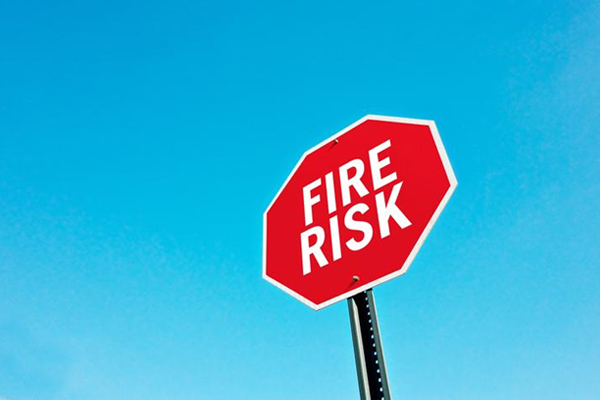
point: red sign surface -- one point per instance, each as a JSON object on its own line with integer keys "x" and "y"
{"x": 356, "y": 209}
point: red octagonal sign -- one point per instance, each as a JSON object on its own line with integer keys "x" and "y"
{"x": 356, "y": 209}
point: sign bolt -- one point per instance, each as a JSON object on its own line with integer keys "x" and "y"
{"x": 355, "y": 278}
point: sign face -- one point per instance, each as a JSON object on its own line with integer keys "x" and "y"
{"x": 356, "y": 209}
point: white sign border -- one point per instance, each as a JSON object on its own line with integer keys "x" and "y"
{"x": 416, "y": 248}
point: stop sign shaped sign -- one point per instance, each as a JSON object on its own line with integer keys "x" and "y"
{"x": 356, "y": 209}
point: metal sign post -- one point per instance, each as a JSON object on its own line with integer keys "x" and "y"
{"x": 396, "y": 174}
{"x": 368, "y": 351}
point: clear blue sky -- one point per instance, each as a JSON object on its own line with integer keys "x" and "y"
{"x": 141, "y": 141}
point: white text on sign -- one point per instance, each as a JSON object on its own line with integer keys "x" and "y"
{"x": 312, "y": 239}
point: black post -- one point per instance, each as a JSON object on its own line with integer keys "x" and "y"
{"x": 368, "y": 351}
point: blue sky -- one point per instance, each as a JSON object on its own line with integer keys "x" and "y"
{"x": 141, "y": 142}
